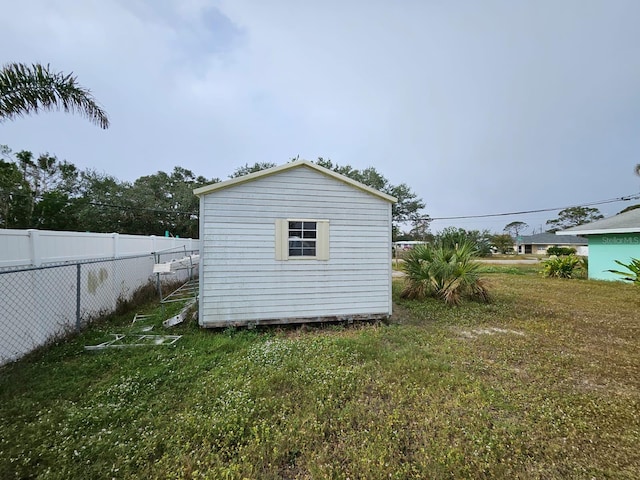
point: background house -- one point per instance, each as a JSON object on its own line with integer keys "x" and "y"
{"x": 407, "y": 244}
{"x": 291, "y": 244}
{"x": 540, "y": 242}
{"x": 610, "y": 239}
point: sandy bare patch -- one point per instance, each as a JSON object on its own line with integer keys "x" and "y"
{"x": 476, "y": 332}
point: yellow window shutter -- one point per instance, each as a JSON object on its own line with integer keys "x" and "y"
{"x": 323, "y": 240}
{"x": 282, "y": 239}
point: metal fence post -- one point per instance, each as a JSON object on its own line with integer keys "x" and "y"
{"x": 156, "y": 259}
{"x": 78, "y": 287}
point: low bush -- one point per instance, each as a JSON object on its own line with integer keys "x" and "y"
{"x": 562, "y": 267}
{"x": 561, "y": 251}
{"x": 584, "y": 266}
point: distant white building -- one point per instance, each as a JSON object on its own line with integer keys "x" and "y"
{"x": 407, "y": 244}
{"x": 292, "y": 244}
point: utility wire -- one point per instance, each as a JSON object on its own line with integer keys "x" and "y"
{"x": 626, "y": 198}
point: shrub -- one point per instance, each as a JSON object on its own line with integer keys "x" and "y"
{"x": 561, "y": 267}
{"x": 584, "y": 266}
{"x": 558, "y": 251}
{"x": 633, "y": 274}
{"x": 445, "y": 272}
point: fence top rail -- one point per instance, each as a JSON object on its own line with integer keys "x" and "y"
{"x": 172, "y": 249}
{"x": 26, "y": 268}
{"x": 32, "y": 247}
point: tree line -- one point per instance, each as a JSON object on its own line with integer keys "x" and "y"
{"x": 485, "y": 242}
{"x": 47, "y": 193}
{"x": 50, "y": 194}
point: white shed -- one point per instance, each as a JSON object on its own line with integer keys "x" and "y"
{"x": 293, "y": 244}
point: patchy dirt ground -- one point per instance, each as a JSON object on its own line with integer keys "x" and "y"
{"x": 476, "y": 332}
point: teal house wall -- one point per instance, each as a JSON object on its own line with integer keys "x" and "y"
{"x": 610, "y": 239}
{"x": 606, "y": 248}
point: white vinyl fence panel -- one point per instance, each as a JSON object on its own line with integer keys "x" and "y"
{"x": 42, "y": 247}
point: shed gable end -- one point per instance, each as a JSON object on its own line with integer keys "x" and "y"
{"x": 258, "y": 262}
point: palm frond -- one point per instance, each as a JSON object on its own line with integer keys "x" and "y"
{"x": 633, "y": 273}
{"x": 28, "y": 89}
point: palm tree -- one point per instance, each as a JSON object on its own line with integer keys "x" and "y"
{"x": 444, "y": 271}
{"x": 28, "y": 89}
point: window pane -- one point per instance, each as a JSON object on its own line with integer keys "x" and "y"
{"x": 295, "y": 248}
{"x": 302, "y": 238}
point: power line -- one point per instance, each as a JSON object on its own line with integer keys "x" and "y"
{"x": 626, "y": 198}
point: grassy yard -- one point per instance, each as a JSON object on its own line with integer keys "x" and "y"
{"x": 542, "y": 383}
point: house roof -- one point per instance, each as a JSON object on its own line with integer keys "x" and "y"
{"x": 547, "y": 238}
{"x": 290, "y": 166}
{"x": 627, "y": 222}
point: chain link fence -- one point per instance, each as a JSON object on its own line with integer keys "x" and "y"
{"x": 38, "y": 304}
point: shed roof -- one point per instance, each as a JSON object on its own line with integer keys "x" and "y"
{"x": 547, "y": 238}
{"x": 627, "y": 222}
{"x": 289, "y": 166}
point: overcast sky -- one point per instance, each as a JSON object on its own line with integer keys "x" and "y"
{"x": 479, "y": 106}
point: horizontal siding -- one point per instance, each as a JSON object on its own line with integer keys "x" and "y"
{"x": 217, "y": 222}
{"x": 276, "y": 199}
{"x": 261, "y": 278}
{"x": 242, "y": 281}
{"x": 310, "y": 184}
{"x": 366, "y": 255}
{"x": 289, "y": 288}
{"x": 233, "y": 312}
{"x": 250, "y": 243}
{"x": 303, "y": 302}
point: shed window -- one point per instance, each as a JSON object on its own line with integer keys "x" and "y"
{"x": 302, "y": 239}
